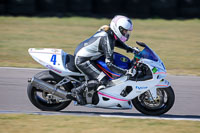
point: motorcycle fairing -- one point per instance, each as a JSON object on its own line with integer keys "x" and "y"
{"x": 53, "y": 59}
{"x": 148, "y": 56}
{"x": 112, "y": 94}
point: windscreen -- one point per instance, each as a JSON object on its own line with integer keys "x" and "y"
{"x": 148, "y": 54}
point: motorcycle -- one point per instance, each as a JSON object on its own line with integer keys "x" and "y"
{"x": 148, "y": 90}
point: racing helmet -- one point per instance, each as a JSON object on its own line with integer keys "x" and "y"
{"x": 122, "y": 27}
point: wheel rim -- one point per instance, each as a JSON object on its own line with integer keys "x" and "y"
{"x": 160, "y": 102}
{"x": 42, "y": 96}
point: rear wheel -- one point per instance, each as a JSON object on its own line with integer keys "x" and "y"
{"x": 43, "y": 100}
{"x": 161, "y": 105}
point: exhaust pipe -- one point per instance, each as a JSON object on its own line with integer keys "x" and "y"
{"x": 39, "y": 84}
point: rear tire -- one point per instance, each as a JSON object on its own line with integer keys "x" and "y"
{"x": 39, "y": 101}
{"x": 163, "y": 105}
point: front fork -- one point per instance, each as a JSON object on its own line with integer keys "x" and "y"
{"x": 153, "y": 91}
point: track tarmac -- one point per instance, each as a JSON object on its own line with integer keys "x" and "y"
{"x": 14, "y": 99}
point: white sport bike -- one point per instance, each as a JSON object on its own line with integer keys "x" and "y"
{"x": 148, "y": 90}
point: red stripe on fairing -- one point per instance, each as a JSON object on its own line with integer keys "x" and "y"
{"x": 112, "y": 97}
{"x": 107, "y": 71}
{"x": 57, "y": 71}
{"x": 160, "y": 73}
{"x": 50, "y": 67}
{"x": 162, "y": 85}
{"x": 104, "y": 71}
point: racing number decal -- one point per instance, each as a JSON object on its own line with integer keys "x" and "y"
{"x": 53, "y": 59}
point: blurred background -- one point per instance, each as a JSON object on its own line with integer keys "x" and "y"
{"x": 168, "y": 9}
{"x": 170, "y": 27}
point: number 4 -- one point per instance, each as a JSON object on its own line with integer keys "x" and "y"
{"x": 53, "y": 59}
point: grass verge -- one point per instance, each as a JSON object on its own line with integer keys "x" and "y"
{"x": 21, "y": 123}
{"x": 177, "y": 42}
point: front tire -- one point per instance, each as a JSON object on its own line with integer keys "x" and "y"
{"x": 37, "y": 97}
{"x": 164, "y": 103}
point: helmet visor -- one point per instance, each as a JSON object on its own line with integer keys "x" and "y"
{"x": 124, "y": 32}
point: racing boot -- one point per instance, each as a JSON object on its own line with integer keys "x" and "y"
{"x": 78, "y": 94}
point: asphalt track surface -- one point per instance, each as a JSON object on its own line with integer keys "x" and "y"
{"x": 14, "y": 99}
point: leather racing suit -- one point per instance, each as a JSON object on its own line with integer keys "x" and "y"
{"x": 102, "y": 43}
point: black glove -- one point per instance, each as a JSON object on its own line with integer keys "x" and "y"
{"x": 134, "y": 50}
{"x": 129, "y": 50}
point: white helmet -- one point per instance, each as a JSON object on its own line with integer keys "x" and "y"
{"x": 122, "y": 27}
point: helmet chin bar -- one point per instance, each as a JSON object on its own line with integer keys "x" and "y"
{"x": 123, "y": 39}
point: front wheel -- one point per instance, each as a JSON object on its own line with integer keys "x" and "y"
{"x": 161, "y": 105}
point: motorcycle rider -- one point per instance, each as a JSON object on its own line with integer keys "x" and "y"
{"x": 102, "y": 43}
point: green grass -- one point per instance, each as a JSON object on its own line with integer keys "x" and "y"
{"x": 18, "y": 123}
{"x": 177, "y": 42}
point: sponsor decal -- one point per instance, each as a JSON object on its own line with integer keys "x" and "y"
{"x": 53, "y": 59}
{"x": 124, "y": 59}
{"x": 154, "y": 70}
{"x": 52, "y": 68}
{"x": 141, "y": 87}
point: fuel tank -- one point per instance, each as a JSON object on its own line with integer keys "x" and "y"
{"x": 119, "y": 60}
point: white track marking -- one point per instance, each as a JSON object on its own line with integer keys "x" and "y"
{"x": 108, "y": 116}
{"x": 149, "y": 117}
